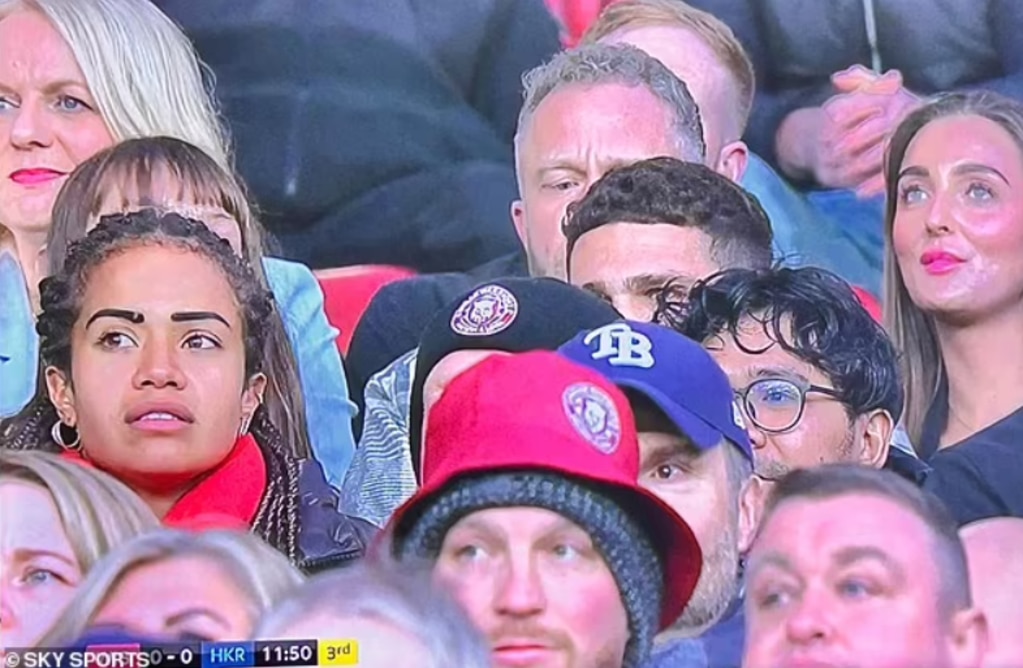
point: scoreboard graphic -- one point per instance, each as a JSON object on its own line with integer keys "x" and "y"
{"x": 283, "y": 654}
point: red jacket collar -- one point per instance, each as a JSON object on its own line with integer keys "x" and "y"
{"x": 228, "y": 498}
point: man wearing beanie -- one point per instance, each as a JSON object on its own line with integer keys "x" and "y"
{"x": 503, "y": 316}
{"x": 694, "y": 454}
{"x": 531, "y": 515}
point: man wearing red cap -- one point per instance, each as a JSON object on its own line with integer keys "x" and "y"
{"x": 531, "y": 514}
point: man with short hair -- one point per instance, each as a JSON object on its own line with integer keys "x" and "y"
{"x": 857, "y": 567}
{"x": 696, "y": 456}
{"x": 703, "y": 51}
{"x": 661, "y": 222}
{"x": 585, "y": 111}
{"x": 816, "y": 376}
{"x": 993, "y": 548}
{"x": 531, "y": 515}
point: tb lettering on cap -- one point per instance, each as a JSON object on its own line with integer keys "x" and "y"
{"x": 620, "y": 345}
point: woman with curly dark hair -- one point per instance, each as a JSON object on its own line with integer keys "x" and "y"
{"x": 150, "y": 344}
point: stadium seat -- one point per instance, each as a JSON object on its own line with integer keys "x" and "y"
{"x": 347, "y": 292}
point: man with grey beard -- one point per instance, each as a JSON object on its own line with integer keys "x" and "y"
{"x": 696, "y": 456}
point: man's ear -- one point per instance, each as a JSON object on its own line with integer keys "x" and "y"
{"x": 751, "y": 508}
{"x": 969, "y": 638}
{"x": 62, "y": 395}
{"x": 518, "y": 216}
{"x": 875, "y": 436}
{"x": 732, "y": 161}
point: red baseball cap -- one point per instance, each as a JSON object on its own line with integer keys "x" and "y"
{"x": 539, "y": 411}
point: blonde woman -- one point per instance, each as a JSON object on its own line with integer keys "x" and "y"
{"x": 954, "y": 295}
{"x": 210, "y": 586}
{"x": 78, "y": 76}
{"x": 57, "y": 520}
{"x": 398, "y": 617}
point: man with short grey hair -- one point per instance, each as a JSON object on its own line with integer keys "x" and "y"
{"x": 586, "y": 111}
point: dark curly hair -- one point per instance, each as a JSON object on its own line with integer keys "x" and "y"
{"x": 672, "y": 192}
{"x": 61, "y": 295}
{"x": 811, "y": 313}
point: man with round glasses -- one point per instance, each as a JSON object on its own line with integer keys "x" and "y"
{"x": 816, "y": 376}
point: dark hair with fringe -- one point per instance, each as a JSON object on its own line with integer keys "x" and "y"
{"x": 61, "y": 296}
{"x": 810, "y": 313}
{"x": 129, "y": 168}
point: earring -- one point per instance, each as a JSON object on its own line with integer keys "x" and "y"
{"x": 246, "y": 421}
{"x": 57, "y": 433}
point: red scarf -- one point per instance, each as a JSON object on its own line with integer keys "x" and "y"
{"x": 227, "y": 498}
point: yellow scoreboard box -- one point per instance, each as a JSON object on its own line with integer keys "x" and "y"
{"x": 338, "y": 652}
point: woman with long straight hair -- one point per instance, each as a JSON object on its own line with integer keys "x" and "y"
{"x": 954, "y": 294}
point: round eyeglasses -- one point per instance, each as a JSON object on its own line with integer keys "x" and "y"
{"x": 776, "y": 404}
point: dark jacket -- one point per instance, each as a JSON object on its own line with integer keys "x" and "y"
{"x": 327, "y": 538}
{"x": 398, "y": 314}
{"x": 375, "y": 131}
{"x": 938, "y": 45}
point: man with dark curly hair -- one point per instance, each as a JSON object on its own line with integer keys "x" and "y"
{"x": 816, "y": 376}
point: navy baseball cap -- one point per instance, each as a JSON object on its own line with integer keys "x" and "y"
{"x": 674, "y": 372}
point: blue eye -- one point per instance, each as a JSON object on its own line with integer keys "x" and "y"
{"x": 39, "y": 577}
{"x": 565, "y": 552}
{"x": 912, "y": 194}
{"x": 979, "y": 191}
{"x": 776, "y": 394}
{"x": 68, "y": 103}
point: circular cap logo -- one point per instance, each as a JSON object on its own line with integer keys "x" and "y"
{"x": 487, "y": 311}
{"x": 593, "y": 414}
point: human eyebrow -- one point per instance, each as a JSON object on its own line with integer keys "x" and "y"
{"x": 977, "y": 168}
{"x": 134, "y": 317}
{"x": 762, "y": 372}
{"x": 914, "y": 170}
{"x": 851, "y": 555}
{"x": 193, "y": 316}
{"x": 179, "y": 617}
{"x": 771, "y": 560}
{"x": 646, "y": 282}
{"x": 27, "y": 554}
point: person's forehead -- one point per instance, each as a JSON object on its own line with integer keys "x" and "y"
{"x": 817, "y": 530}
{"x": 154, "y": 278}
{"x": 517, "y": 523}
{"x": 607, "y": 111}
{"x": 754, "y": 352}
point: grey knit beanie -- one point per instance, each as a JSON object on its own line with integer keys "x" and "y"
{"x": 626, "y": 548}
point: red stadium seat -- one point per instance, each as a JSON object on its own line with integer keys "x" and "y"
{"x": 575, "y": 16}
{"x": 347, "y": 292}
{"x": 870, "y": 303}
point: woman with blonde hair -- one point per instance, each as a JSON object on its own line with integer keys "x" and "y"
{"x": 210, "y": 586}
{"x": 58, "y": 519}
{"x": 954, "y": 294}
{"x": 80, "y": 76}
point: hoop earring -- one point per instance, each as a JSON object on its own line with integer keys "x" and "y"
{"x": 57, "y": 433}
